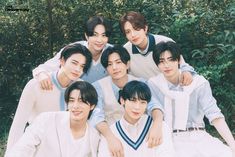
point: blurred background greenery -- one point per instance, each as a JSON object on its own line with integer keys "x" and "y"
{"x": 29, "y": 36}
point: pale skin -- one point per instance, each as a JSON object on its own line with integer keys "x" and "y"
{"x": 118, "y": 71}
{"x": 96, "y": 43}
{"x": 170, "y": 70}
{"x": 139, "y": 39}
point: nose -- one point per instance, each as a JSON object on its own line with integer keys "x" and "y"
{"x": 137, "y": 105}
{"x": 133, "y": 33}
{"x": 99, "y": 38}
{"x": 114, "y": 66}
{"x": 78, "y": 69}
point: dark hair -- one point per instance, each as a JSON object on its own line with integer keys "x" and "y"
{"x": 121, "y": 51}
{"x": 136, "y": 19}
{"x": 75, "y": 48}
{"x": 135, "y": 90}
{"x": 87, "y": 91}
{"x": 97, "y": 20}
{"x": 170, "y": 46}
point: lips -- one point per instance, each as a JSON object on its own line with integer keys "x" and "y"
{"x": 76, "y": 113}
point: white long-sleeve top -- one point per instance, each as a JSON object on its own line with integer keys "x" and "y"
{"x": 133, "y": 139}
{"x": 34, "y": 101}
{"x": 50, "y": 136}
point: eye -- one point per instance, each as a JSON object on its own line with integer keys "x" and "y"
{"x": 127, "y": 31}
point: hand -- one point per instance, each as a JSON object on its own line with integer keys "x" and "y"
{"x": 115, "y": 147}
{"x": 186, "y": 78}
{"x": 45, "y": 81}
{"x": 154, "y": 137}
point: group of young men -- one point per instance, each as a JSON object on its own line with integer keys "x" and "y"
{"x": 144, "y": 100}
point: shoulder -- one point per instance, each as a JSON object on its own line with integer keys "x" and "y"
{"x": 160, "y": 38}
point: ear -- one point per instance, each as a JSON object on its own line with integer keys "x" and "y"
{"x": 128, "y": 65}
{"x": 62, "y": 61}
{"x": 92, "y": 107}
{"x": 86, "y": 36}
{"x": 122, "y": 101}
{"x": 146, "y": 29}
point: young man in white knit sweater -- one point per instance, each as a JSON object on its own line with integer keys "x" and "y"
{"x": 140, "y": 47}
{"x": 133, "y": 127}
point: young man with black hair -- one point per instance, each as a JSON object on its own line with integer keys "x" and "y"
{"x": 186, "y": 106}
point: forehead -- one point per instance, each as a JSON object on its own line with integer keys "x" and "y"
{"x": 99, "y": 29}
{"x": 113, "y": 57}
{"x": 78, "y": 57}
{"x": 165, "y": 54}
{"x": 75, "y": 94}
{"x": 128, "y": 25}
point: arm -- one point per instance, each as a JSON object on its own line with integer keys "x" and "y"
{"x": 24, "y": 109}
{"x": 224, "y": 131}
{"x": 187, "y": 72}
{"x": 213, "y": 113}
{"x": 28, "y": 143}
{"x": 98, "y": 120}
{"x": 155, "y": 109}
{"x": 42, "y": 72}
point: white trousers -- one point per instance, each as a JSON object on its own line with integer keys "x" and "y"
{"x": 199, "y": 144}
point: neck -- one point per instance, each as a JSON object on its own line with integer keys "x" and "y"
{"x": 174, "y": 79}
{"x": 63, "y": 79}
{"x": 78, "y": 128}
{"x": 144, "y": 44}
{"x": 121, "y": 82}
{"x": 130, "y": 120}
{"x": 95, "y": 54}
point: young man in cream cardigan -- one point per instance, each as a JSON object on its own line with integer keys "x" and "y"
{"x": 62, "y": 134}
{"x": 186, "y": 106}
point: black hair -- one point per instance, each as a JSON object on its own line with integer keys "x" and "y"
{"x": 98, "y": 20}
{"x": 170, "y": 46}
{"x": 135, "y": 90}
{"x": 74, "y": 48}
{"x": 121, "y": 51}
{"x": 87, "y": 91}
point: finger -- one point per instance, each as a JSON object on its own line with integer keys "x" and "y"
{"x": 181, "y": 79}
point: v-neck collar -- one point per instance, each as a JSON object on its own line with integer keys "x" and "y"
{"x": 135, "y": 145}
{"x": 152, "y": 43}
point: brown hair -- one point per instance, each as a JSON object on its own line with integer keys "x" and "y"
{"x": 136, "y": 19}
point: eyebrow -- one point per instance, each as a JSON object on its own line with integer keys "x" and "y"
{"x": 115, "y": 60}
{"x": 78, "y": 61}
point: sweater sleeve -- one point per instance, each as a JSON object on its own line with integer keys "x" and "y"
{"x": 24, "y": 108}
{"x": 28, "y": 143}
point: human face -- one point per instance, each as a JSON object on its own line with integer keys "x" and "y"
{"x": 79, "y": 110}
{"x": 116, "y": 68}
{"x": 134, "y": 109}
{"x": 168, "y": 66}
{"x": 136, "y": 37}
{"x": 97, "y": 42}
{"x": 73, "y": 66}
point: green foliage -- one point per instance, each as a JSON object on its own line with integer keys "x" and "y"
{"x": 204, "y": 29}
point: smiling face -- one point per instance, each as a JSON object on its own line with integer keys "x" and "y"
{"x": 168, "y": 66}
{"x": 134, "y": 109}
{"x": 73, "y": 66}
{"x": 137, "y": 37}
{"x": 79, "y": 110}
{"x": 98, "y": 40}
{"x": 116, "y": 68}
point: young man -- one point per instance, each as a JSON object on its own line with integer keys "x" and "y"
{"x": 97, "y": 32}
{"x": 140, "y": 46}
{"x": 186, "y": 106}
{"x": 116, "y": 61}
{"x": 55, "y": 134}
{"x": 134, "y": 125}
{"x": 75, "y": 60}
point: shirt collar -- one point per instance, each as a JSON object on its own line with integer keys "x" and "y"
{"x": 150, "y": 46}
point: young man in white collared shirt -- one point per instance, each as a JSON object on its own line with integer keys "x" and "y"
{"x": 134, "y": 126}
{"x": 186, "y": 106}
